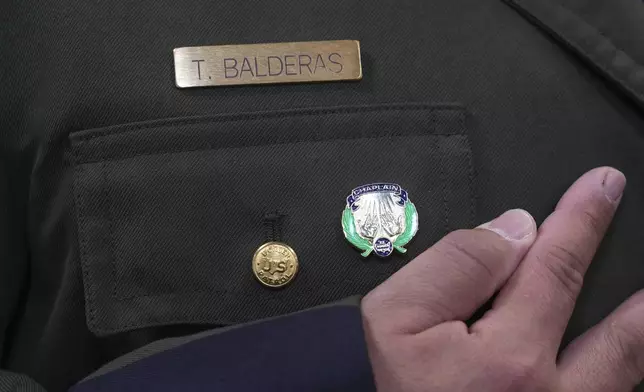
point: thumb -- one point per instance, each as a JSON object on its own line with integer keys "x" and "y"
{"x": 453, "y": 278}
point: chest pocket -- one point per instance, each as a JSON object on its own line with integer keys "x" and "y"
{"x": 170, "y": 212}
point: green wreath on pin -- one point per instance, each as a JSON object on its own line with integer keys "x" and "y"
{"x": 348, "y": 224}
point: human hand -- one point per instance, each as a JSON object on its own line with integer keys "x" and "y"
{"x": 416, "y": 336}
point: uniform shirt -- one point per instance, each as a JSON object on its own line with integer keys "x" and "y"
{"x": 130, "y": 209}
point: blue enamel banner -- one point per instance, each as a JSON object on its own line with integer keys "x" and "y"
{"x": 394, "y": 189}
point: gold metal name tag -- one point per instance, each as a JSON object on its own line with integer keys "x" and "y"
{"x": 322, "y": 61}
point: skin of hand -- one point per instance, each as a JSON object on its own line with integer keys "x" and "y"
{"x": 414, "y": 322}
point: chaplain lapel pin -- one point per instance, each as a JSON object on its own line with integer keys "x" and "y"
{"x": 379, "y": 218}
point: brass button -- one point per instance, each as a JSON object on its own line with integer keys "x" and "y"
{"x": 275, "y": 264}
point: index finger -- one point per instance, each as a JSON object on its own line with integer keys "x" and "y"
{"x": 539, "y": 298}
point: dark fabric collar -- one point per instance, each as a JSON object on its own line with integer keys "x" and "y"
{"x": 607, "y": 34}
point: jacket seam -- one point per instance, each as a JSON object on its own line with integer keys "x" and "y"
{"x": 573, "y": 41}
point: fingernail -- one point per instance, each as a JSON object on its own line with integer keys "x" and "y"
{"x": 513, "y": 225}
{"x": 614, "y": 183}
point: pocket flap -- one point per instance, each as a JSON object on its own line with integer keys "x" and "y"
{"x": 170, "y": 212}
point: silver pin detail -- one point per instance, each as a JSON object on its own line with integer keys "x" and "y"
{"x": 379, "y": 218}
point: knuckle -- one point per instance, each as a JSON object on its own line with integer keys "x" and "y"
{"x": 626, "y": 340}
{"x": 594, "y": 221}
{"x": 567, "y": 266}
{"x": 379, "y": 300}
{"x": 476, "y": 255}
{"x": 521, "y": 373}
{"x": 369, "y": 302}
